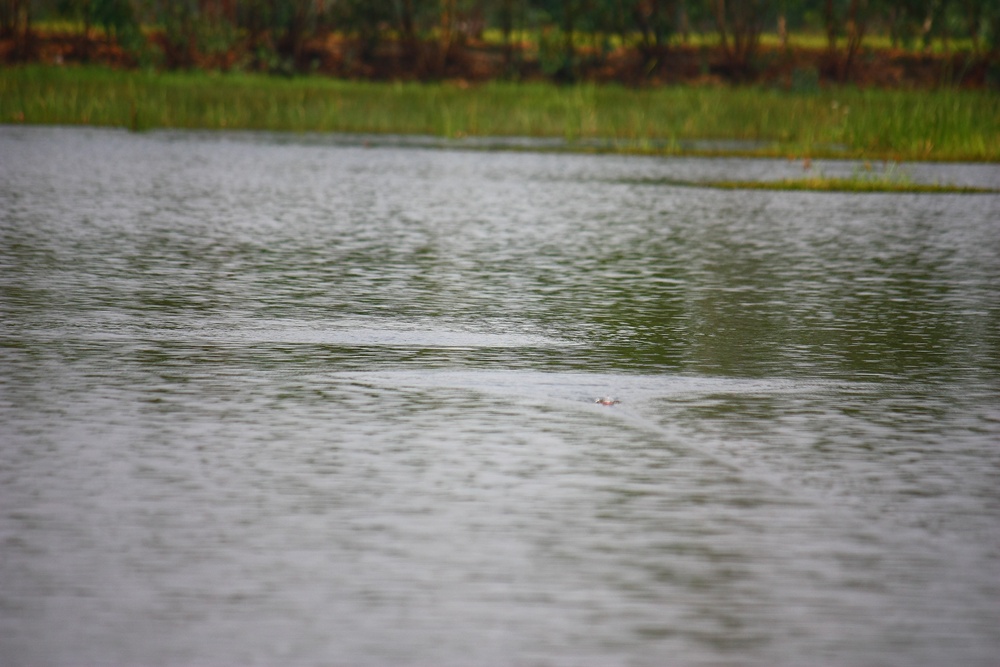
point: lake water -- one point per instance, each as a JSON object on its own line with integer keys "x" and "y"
{"x": 307, "y": 400}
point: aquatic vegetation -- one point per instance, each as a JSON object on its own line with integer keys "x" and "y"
{"x": 864, "y": 179}
{"x": 822, "y": 184}
{"x": 870, "y": 124}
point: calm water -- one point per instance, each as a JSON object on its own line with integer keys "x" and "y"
{"x": 298, "y": 400}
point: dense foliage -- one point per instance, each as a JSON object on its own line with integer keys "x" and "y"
{"x": 564, "y": 35}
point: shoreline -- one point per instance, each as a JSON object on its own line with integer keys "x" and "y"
{"x": 824, "y": 175}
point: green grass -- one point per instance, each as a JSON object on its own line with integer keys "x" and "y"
{"x": 872, "y": 124}
{"x": 821, "y": 184}
{"x": 864, "y": 179}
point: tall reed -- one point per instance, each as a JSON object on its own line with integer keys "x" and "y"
{"x": 945, "y": 125}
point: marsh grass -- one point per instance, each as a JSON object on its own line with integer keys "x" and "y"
{"x": 821, "y": 184}
{"x": 944, "y": 125}
{"x": 863, "y": 179}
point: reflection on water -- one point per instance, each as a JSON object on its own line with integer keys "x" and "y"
{"x": 291, "y": 400}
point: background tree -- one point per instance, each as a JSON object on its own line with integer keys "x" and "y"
{"x": 365, "y": 21}
{"x": 15, "y": 24}
{"x": 849, "y": 19}
{"x": 82, "y": 11}
{"x": 117, "y": 17}
{"x": 739, "y": 24}
{"x": 507, "y": 12}
{"x": 293, "y": 23}
{"x": 559, "y": 21}
{"x": 461, "y": 20}
{"x": 655, "y": 21}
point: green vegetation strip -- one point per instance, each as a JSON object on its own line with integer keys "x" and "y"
{"x": 844, "y": 185}
{"x": 871, "y": 124}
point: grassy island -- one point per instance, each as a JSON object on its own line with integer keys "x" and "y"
{"x": 822, "y": 184}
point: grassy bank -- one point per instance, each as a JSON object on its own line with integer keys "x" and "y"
{"x": 874, "y": 124}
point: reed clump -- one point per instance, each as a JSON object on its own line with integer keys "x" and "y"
{"x": 874, "y": 124}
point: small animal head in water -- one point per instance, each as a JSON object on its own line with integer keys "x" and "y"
{"x": 607, "y": 400}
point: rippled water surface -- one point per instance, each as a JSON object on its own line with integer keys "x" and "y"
{"x": 296, "y": 400}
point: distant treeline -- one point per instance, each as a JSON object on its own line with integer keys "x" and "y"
{"x": 421, "y": 38}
